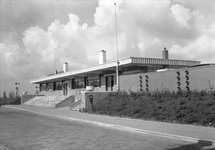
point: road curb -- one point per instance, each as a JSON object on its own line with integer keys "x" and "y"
{"x": 118, "y": 127}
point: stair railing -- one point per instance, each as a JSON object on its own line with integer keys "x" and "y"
{"x": 75, "y": 104}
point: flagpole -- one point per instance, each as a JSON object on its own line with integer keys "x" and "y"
{"x": 117, "y": 61}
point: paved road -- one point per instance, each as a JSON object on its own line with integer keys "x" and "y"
{"x": 20, "y": 130}
{"x": 163, "y": 129}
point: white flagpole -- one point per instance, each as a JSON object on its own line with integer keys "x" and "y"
{"x": 117, "y": 61}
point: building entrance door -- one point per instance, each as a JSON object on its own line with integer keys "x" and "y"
{"x": 65, "y": 89}
{"x": 109, "y": 83}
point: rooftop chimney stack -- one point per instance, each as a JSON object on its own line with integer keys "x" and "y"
{"x": 65, "y": 67}
{"x": 165, "y": 54}
{"x": 102, "y": 57}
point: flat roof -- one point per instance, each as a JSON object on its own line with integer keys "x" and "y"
{"x": 111, "y": 65}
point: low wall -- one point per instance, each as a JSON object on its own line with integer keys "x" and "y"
{"x": 60, "y": 92}
{"x": 96, "y": 97}
{"x": 25, "y": 98}
{"x": 51, "y": 93}
{"x": 100, "y": 89}
{"x": 67, "y": 102}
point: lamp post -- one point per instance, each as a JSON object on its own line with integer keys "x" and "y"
{"x": 17, "y": 89}
{"x": 117, "y": 61}
{"x": 36, "y": 89}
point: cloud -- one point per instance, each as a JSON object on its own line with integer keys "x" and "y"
{"x": 143, "y": 29}
{"x": 181, "y": 14}
{"x": 185, "y": 17}
{"x": 59, "y": 44}
{"x": 200, "y": 49}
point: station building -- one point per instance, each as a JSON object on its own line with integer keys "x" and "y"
{"x": 135, "y": 74}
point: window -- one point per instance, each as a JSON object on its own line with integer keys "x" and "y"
{"x": 58, "y": 85}
{"x": 42, "y": 87}
{"x": 94, "y": 81}
{"x": 50, "y": 86}
{"x": 78, "y": 83}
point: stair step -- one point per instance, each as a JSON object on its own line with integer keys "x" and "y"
{"x": 76, "y": 106}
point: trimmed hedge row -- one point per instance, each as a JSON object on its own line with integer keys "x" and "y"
{"x": 182, "y": 107}
{"x": 11, "y": 101}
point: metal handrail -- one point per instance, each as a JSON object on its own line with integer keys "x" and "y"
{"x": 75, "y": 104}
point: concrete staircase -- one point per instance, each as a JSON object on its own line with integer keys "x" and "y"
{"x": 64, "y": 101}
{"x": 74, "y": 101}
{"x": 76, "y": 106}
{"x": 46, "y": 101}
{"x": 43, "y": 101}
{"x": 59, "y": 99}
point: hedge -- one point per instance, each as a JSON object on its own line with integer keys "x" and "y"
{"x": 189, "y": 107}
{"x": 11, "y": 101}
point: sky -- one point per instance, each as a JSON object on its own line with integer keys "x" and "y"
{"x": 38, "y": 36}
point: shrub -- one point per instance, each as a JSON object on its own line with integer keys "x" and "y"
{"x": 185, "y": 107}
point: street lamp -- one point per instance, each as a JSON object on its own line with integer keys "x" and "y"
{"x": 17, "y": 89}
{"x": 36, "y": 90}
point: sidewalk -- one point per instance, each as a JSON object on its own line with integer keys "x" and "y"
{"x": 169, "y": 130}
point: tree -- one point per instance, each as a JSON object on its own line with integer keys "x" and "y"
{"x": 11, "y": 94}
{"x": 4, "y": 94}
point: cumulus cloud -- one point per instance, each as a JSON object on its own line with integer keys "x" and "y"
{"x": 143, "y": 29}
{"x": 180, "y": 14}
{"x": 186, "y": 18}
{"x": 203, "y": 48}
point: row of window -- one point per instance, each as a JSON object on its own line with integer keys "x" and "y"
{"x": 75, "y": 84}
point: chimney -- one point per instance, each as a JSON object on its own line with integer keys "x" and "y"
{"x": 165, "y": 54}
{"x": 102, "y": 57}
{"x": 65, "y": 67}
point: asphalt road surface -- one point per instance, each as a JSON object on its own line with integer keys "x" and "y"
{"x": 20, "y": 130}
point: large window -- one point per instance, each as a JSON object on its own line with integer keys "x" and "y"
{"x": 78, "y": 83}
{"x": 42, "y": 87}
{"x": 94, "y": 81}
{"x": 58, "y": 85}
{"x": 50, "y": 86}
{"x": 82, "y": 82}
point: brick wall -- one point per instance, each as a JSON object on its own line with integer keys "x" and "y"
{"x": 200, "y": 78}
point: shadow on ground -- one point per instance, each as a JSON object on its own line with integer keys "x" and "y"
{"x": 201, "y": 145}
